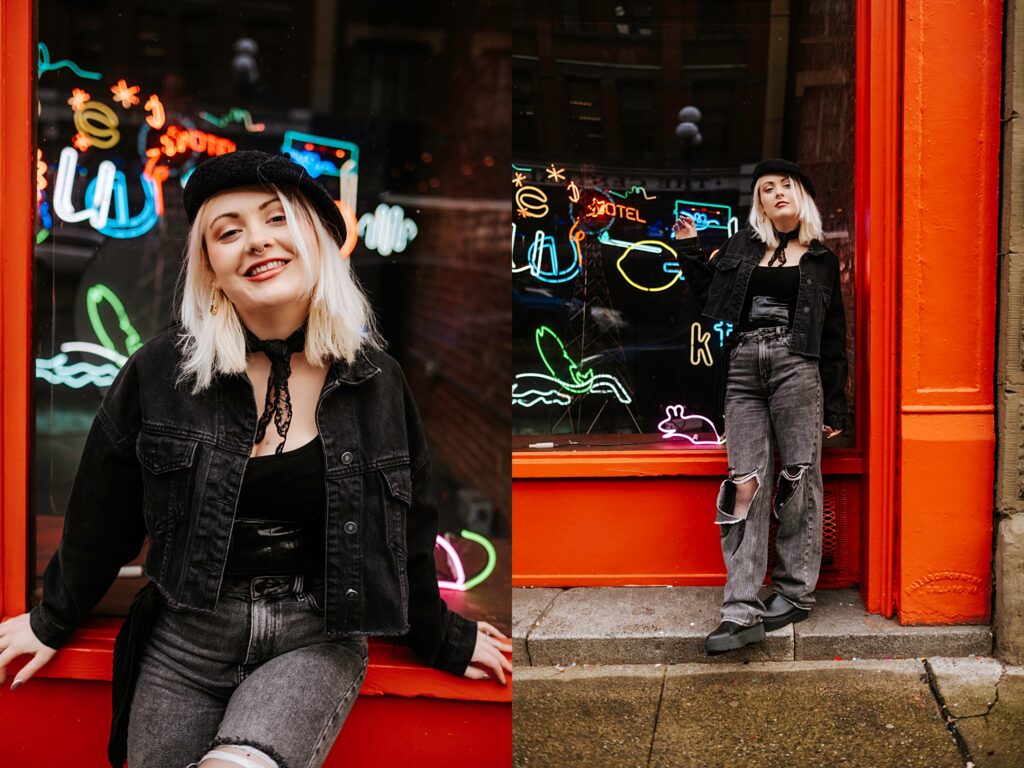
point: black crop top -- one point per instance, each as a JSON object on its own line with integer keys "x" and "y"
{"x": 279, "y": 522}
{"x": 771, "y": 298}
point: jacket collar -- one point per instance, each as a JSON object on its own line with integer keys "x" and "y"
{"x": 359, "y": 370}
{"x": 816, "y": 247}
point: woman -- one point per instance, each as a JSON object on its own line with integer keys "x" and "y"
{"x": 786, "y": 376}
{"x": 277, "y": 543}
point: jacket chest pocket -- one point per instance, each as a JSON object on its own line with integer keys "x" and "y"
{"x": 167, "y": 462}
{"x": 723, "y": 285}
{"x": 396, "y": 484}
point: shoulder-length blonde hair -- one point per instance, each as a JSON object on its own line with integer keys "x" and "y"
{"x": 807, "y": 213}
{"x": 341, "y": 320}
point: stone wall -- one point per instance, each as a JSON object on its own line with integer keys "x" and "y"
{"x": 1009, "y": 502}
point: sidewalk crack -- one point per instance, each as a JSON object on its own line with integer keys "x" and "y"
{"x": 958, "y": 739}
{"x": 657, "y": 716}
{"x": 991, "y": 705}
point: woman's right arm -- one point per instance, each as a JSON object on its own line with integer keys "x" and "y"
{"x": 694, "y": 264}
{"x": 103, "y": 529}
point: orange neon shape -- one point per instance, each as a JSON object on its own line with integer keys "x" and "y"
{"x": 40, "y": 175}
{"x": 125, "y": 94}
{"x": 351, "y": 229}
{"x": 577, "y": 234}
{"x": 308, "y": 146}
{"x": 157, "y": 119}
{"x": 81, "y": 142}
{"x": 177, "y": 141}
{"x": 78, "y": 99}
{"x": 608, "y": 208}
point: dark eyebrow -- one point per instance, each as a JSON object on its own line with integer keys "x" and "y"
{"x": 235, "y": 215}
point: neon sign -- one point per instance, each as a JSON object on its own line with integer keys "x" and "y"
{"x": 386, "y": 230}
{"x": 154, "y": 105}
{"x": 544, "y": 263}
{"x": 518, "y": 179}
{"x": 636, "y": 189}
{"x": 93, "y": 298}
{"x": 555, "y": 174}
{"x": 574, "y": 192}
{"x": 598, "y": 208}
{"x": 123, "y": 225}
{"x": 531, "y": 203}
{"x": 650, "y": 289}
{"x": 700, "y": 352}
{"x": 124, "y": 94}
{"x": 98, "y": 123}
{"x": 96, "y": 213}
{"x": 56, "y": 370}
{"x": 323, "y": 156}
{"x": 724, "y": 329}
{"x": 677, "y": 422}
{"x": 707, "y": 215}
{"x": 176, "y": 141}
{"x": 45, "y": 65}
{"x": 461, "y": 584}
{"x": 234, "y": 116}
{"x": 564, "y": 377}
{"x": 78, "y": 99}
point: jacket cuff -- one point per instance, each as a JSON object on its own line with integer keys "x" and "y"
{"x": 459, "y": 642}
{"x": 46, "y": 631}
{"x": 836, "y": 419}
{"x": 690, "y": 246}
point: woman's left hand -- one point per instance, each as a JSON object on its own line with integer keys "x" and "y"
{"x": 830, "y": 433}
{"x": 488, "y": 660}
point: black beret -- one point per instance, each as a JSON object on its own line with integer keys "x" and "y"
{"x": 249, "y": 167}
{"x": 782, "y": 167}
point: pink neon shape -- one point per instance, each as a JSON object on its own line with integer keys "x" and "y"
{"x": 456, "y": 565}
{"x": 678, "y": 413}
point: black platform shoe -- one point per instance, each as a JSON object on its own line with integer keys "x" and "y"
{"x": 729, "y": 636}
{"x": 778, "y": 612}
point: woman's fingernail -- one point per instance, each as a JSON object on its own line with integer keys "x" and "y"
{"x": 15, "y": 684}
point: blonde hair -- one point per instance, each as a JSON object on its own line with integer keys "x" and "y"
{"x": 341, "y": 320}
{"x": 806, "y": 211}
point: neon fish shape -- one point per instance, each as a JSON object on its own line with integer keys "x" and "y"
{"x": 678, "y": 422}
{"x": 563, "y": 378}
{"x": 669, "y": 265}
{"x": 97, "y": 212}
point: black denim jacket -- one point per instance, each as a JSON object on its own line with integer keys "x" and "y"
{"x": 161, "y": 462}
{"x": 819, "y": 323}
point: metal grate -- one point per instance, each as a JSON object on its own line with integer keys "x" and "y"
{"x": 840, "y": 562}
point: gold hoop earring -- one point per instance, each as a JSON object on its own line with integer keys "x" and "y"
{"x": 213, "y": 302}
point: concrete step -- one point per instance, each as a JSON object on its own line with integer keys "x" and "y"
{"x": 667, "y": 625}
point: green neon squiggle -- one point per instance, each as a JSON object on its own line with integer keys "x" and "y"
{"x": 93, "y": 297}
{"x": 492, "y": 558}
{"x": 580, "y": 382}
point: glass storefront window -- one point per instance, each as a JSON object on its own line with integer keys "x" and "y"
{"x": 608, "y": 347}
{"x": 402, "y": 110}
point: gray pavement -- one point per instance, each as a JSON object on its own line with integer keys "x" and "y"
{"x": 651, "y": 625}
{"x": 926, "y": 713}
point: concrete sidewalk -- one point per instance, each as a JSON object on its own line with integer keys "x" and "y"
{"x": 652, "y": 625}
{"x": 934, "y": 713}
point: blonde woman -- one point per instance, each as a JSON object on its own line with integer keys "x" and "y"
{"x": 273, "y": 455}
{"x": 785, "y": 378}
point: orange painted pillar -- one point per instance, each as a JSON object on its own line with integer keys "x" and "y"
{"x": 951, "y": 96}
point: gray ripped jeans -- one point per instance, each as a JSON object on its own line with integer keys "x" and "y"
{"x": 258, "y": 672}
{"x": 771, "y": 391}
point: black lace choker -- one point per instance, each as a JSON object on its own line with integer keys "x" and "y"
{"x": 780, "y": 252}
{"x": 278, "y": 405}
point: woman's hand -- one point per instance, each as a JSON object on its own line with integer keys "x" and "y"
{"x": 488, "y": 660}
{"x": 683, "y": 227}
{"x": 17, "y": 638}
{"x": 830, "y": 433}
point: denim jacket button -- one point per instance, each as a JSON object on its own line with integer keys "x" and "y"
{"x": 351, "y": 527}
{"x": 346, "y": 457}
{"x": 351, "y": 594}
{"x": 806, "y": 310}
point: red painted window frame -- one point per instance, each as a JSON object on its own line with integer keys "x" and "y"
{"x": 393, "y": 669}
{"x": 877, "y": 211}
